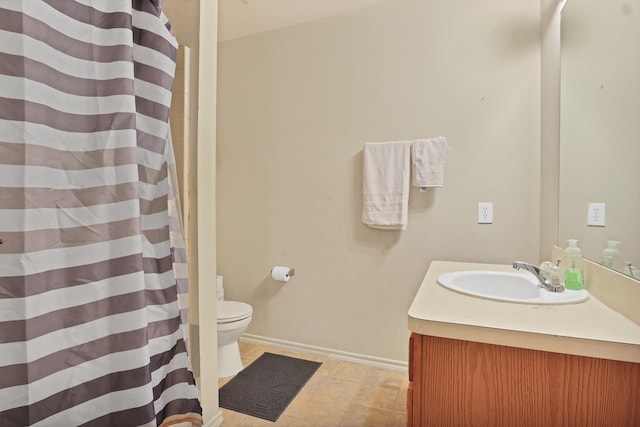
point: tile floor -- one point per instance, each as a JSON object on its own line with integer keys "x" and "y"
{"x": 340, "y": 394}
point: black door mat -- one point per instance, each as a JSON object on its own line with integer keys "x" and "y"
{"x": 267, "y": 386}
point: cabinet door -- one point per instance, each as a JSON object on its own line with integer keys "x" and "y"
{"x": 463, "y": 383}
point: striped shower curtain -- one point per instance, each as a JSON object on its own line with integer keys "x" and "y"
{"x": 90, "y": 320}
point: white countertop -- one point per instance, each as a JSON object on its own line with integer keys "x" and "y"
{"x": 586, "y": 329}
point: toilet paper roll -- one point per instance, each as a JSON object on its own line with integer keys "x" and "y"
{"x": 281, "y": 274}
{"x": 219, "y": 289}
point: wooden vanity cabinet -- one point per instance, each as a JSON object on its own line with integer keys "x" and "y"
{"x": 463, "y": 383}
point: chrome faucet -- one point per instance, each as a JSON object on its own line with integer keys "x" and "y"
{"x": 547, "y": 283}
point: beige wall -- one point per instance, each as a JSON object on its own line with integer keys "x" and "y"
{"x": 195, "y": 24}
{"x": 550, "y": 26}
{"x": 184, "y": 17}
{"x": 294, "y": 108}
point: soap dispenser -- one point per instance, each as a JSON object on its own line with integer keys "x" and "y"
{"x": 611, "y": 255}
{"x": 573, "y": 272}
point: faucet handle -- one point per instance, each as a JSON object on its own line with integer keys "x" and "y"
{"x": 546, "y": 269}
{"x": 553, "y": 274}
{"x": 547, "y": 274}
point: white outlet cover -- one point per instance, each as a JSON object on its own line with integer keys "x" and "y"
{"x": 596, "y": 214}
{"x": 485, "y": 213}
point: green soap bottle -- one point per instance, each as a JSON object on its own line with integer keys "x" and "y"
{"x": 573, "y": 273}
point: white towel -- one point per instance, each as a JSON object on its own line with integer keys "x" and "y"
{"x": 385, "y": 184}
{"x": 429, "y": 156}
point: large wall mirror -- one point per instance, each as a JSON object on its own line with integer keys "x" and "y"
{"x": 600, "y": 128}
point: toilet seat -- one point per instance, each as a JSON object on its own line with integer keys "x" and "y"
{"x": 233, "y": 311}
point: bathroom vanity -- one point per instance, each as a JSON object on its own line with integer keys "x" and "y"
{"x": 474, "y": 361}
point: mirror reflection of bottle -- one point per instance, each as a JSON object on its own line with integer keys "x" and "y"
{"x": 611, "y": 255}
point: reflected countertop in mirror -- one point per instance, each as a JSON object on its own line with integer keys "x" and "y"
{"x": 600, "y": 127}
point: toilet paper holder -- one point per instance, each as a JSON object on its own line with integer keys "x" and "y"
{"x": 282, "y": 273}
{"x": 291, "y": 271}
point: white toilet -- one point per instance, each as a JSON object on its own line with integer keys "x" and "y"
{"x": 233, "y": 319}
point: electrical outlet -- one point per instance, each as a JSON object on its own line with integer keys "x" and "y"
{"x": 485, "y": 213}
{"x": 596, "y": 214}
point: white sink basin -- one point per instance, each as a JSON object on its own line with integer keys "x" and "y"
{"x": 509, "y": 287}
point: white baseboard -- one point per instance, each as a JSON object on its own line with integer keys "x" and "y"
{"x": 363, "y": 359}
{"x": 216, "y": 421}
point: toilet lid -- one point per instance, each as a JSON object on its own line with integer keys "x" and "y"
{"x": 231, "y": 311}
